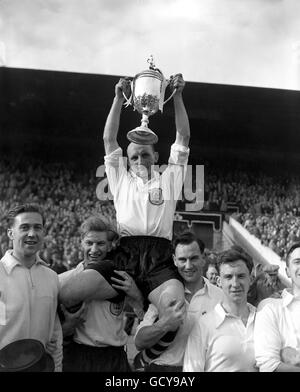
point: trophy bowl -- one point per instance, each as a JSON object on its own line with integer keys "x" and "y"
{"x": 147, "y": 97}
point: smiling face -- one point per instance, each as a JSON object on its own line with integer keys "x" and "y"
{"x": 189, "y": 262}
{"x": 212, "y": 274}
{"x": 141, "y": 158}
{"x": 27, "y": 235}
{"x": 95, "y": 246}
{"x": 234, "y": 280}
{"x": 293, "y": 268}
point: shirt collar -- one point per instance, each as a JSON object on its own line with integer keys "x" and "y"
{"x": 10, "y": 262}
{"x": 287, "y": 297}
{"x": 155, "y": 177}
{"x": 221, "y": 314}
{"x": 206, "y": 289}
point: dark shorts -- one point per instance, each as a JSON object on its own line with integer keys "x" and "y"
{"x": 83, "y": 358}
{"x": 147, "y": 259}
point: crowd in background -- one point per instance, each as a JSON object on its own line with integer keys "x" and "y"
{"x": 269, "y": 206}
{"x": 66, "y": 196}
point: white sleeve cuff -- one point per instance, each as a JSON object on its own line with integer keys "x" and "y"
{"x": 180, "y": 148}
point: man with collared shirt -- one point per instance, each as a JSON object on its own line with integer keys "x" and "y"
{"x": 201, "y": 296}
{"x": 28, "y": 287}
{"x": 145, "y": 202}
{"x": 99, "y": 338}
{"x": 222, "y": 340}
{"x": 277, "y": 327}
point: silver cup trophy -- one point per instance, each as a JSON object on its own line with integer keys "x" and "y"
{"x": 147, "y": 97}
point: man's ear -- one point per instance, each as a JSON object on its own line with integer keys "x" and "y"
{"x": 219, "y": 282}
{"x": 174, "y": 259}
{"x": 287, "y": 272}
{"x": 156, "y": 156}
{"x": 10, "y": 234}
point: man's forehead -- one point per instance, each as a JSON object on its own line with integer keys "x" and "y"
{"x": 237, "y": 265}
{"x": 95, "y": 235}
{"x": 133, "y": 147}
{"x": 185, "y": 249}
{"x": 295, "y": 254}
{"x": 29, "y": 217}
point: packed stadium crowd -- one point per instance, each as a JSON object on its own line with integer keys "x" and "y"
{"x": 268, "y": 206}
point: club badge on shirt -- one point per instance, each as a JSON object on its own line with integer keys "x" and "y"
{"x": 116, "y": 308}
{"x": 156, "y": 196}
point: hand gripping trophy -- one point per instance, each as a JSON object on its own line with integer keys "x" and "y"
{"x": 147, "y": 97}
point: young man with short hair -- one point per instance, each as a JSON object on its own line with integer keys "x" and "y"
{"x": 200, "y": 295}
{"x": 28, "y": 287}
{"x": 222, "y": 340}
{"x": 98, "y": 342}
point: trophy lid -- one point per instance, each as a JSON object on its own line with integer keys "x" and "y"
{"x": 152, "y": 71}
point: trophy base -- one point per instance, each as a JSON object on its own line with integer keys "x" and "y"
{"x": 142, "y": 135}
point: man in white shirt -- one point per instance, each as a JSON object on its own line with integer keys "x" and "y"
{"x": 145, "y": 202}
{"x": 98, "y": 342}
{"x": 200, "y": 296}
{"x": 277, "y": 327}
{"x": 28, "y": 287}
{"x": 222, "y": 340}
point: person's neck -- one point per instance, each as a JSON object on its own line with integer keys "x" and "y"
{"x": 27, "y": 261}
{"x": 193, "y": 287}
{"x": 239, "y": 309}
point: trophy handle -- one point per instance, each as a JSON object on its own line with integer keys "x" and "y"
{"x": 167, "y": 82}
{"x": 128, "y": 101}
{"x": 168, "y": 99}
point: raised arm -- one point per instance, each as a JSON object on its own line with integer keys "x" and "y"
{"x": 181, "y": 117}
{"x": 113, "y": 119}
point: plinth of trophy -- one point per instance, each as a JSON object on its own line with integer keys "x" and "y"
{"x": 142, "y": 135}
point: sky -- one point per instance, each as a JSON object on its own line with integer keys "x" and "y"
{"x": 237, "y": 42}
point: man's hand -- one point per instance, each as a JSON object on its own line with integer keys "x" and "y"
{"x": 51, "y": 347}
{"x": 177, "y": 82}
{"x": 290, "y": 356}
{"x": 127, "y": 284}
{"x": 72, "y": 320}
{"x": 123, "y": 85}
{"x": 173, "y": 316}
{"x": 133, "y": 295}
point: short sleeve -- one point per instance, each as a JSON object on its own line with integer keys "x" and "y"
{"x": 179, "y": 155}
{"x": 115, "y": 168}
{"x": 173, "y": 177}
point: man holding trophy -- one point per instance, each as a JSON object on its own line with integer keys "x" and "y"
{"x": 145, "y": 201}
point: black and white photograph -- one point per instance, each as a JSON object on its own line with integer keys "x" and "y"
{"x": 149, "y": 188}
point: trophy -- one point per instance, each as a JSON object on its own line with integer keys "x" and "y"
{"x": 147, "y": 97}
